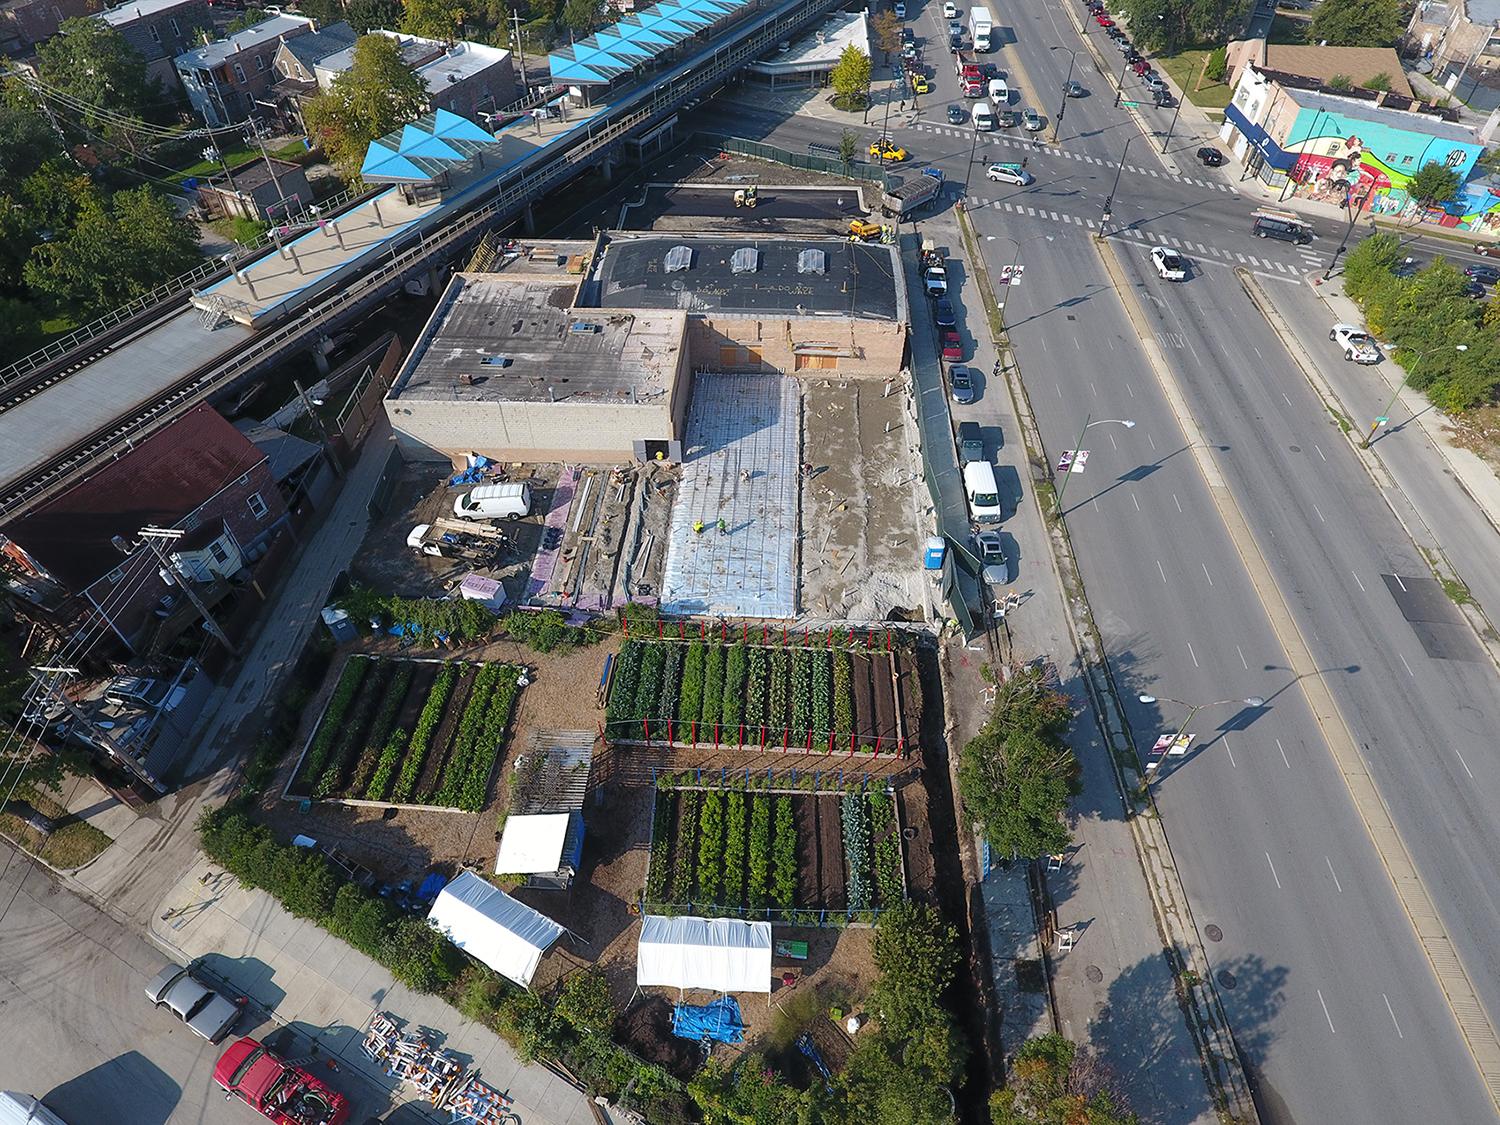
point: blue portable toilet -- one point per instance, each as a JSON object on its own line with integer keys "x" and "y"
{"x": 932, "y": 555}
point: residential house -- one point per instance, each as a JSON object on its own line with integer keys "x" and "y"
{"x": 25, "y": 23}
{"x": 160, "y": 30}
{"x": 468, "y": 79}
{"x": 261, "y": 190}
{"x": 80, "y": 556}
{"x": 228, "y": 80}
{"x": 295, "y": 63}
{"x": 1458, "y": 42}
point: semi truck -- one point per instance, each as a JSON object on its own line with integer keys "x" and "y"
{"x": 907, "y": 195}
{"x": 980, "y": 26}
{"x": 970, "y": 76}
{"x": 278, "y": 1090}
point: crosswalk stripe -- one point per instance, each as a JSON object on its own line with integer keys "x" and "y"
{"x": 1240, "y": 258}
{"x": 1281, "y": 268}
{"x": 1054, "y": 216}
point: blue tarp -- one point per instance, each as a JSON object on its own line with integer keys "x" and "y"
{"x": 719, "y": 1021}
{"x": 474, "y": 474}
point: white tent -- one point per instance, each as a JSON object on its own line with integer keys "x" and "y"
{"x": 484, "y": 921}
{"x": 532, "y": 844}
{"x": 719, "y": 954}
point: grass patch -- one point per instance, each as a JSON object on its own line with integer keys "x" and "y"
{"x": 1457, "y": 592}
{"x": 237, "y": 229}
{"x": 203, "y": 169}
{"x": 1186, "y": 69}
{"x": 72, "y": 843}
{"x": 292, "y": 150}
{"x": 59, "y": 325}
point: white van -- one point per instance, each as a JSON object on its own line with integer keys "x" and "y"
{"x": 983, "y": 492}
{"x": 23, "y": 1109}
{"x": 493, "y": 502}
{"x": 984, "y": 117}
{"x": 999, "y": 93}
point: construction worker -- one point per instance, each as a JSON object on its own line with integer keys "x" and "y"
{"x": 744, "y": 474}
{"x": 697, "y": 527}
{"x": 723, "y": 527}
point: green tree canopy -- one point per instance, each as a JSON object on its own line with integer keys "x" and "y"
{"x": 850, "y": 76}
{"x": 433, "y": 19}
{"x": 26, "y": 138}
{"x": 248, "y": 18}
{"x": 117, "y": 251}
{"x": 93, "y": 62}
{"x": 585, "y": 1004}
{"x": 583, "y": 17}
{"x": 1357, "y": 23}
{"x": 887, "y": 32}
{"x": 378, "y": 93}
{"x": 1053, "y": 1082}
{"x": 1433, "y": 183}
{"x": 366, "y": 15}
{"x": 1165, "y": 26}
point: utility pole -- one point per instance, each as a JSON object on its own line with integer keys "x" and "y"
{"x": 515, "y": 21}
{"x": 253, "y": 130}
{"x": 156, "y": 536}
{"x": 1110, "y": 198}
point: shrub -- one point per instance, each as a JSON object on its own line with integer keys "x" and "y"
{"x": 784, "y": 887}
{"x": 421, "y": 735}
{"x": 419, "y": 956}
{"x": 778, "y": 714}
{"x": 584, "y": 1004}
{"x": 671, "y": 682}
{"x": 361, "y": 919}
{"x": 481, "y": 995}
{"x": 380, "y": 729}
{"x": 462, "y": 619}
{"x": 544, "y": 630}
{"x": 1216, "y": 64}
{"x": 351, "y": 729}
{"x": 690, "y": 705}
{"x": 734, "y": 849}
{"x": 648, "y": 685}
{"x": 759, "y": 874}
{"x": 475, "y": 785}
{"x": 332, "y": 723}
{"x": 883, "y": 831}
{"x": 713, "y": 688}
{"x": 711, "y": 847}
{"x": 735, "y": 665}
{"x": 685, "y": 858}
{"x": 822, "y": 695}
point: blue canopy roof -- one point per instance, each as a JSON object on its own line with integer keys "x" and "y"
{"x": 617, "y": 50}
{"x": 425, "y": 149}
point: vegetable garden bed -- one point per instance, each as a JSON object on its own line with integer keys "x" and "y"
{"x": 810, "y": 694}
{"x": 792, "y": 857}
{"x": 409, "y": 732}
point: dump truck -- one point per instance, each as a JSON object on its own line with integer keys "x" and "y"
{"x": 864, "y": 230}
{"x": 278, "y": 1090}
{"x": 907, "y": 195}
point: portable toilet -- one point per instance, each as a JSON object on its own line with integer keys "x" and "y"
{"x": 932, "y": 555}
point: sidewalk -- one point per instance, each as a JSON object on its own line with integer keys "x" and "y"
{"x": 311, "y": 981}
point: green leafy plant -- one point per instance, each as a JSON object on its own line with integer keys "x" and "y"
{"x": 854, "y": 812}
{"x": 755, "y": 688}
{"x": 685, "y": 857}
{"x": 619, "y": 713}
{"x": 734, "y": 849}
{"x": 421, "y": 735}
{"x": 351, "y": 730}
{"x": 671, "y": 683}
{"x": 883, "y": 831}
{"x": 713, "y": 690}
{"x": 648, "y": 685}
{"x": 843, "y": 695}
{"x": 778, "y": 712}
{"x": 473, "y": 786}
{"x": 380, "y": 728}
{"x": 736, "y": 664}
{"x": 332, "y": 723}
{"x": 690, "y": 703}
{"x": 461, "y": 619}
{"x": 663, "y": 806}
{"x": 784, "y": 873}
{"x": 801, "y": 692}
{"x": 546, "y": 630}
{"x": 759, "y": 874}
{"x": 470, "y": 727}
{"x": 711, "y": 847}
{"x": 822, "y": 696}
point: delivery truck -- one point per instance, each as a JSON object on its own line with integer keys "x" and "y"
{"x": 980, "y": 28}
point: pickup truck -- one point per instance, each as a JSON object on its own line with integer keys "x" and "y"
{"x": 935, "y": 281}
{"x": 278, "y": 1090}
{"x": 909, "y": 194}
{"x": 1357, "y": 344}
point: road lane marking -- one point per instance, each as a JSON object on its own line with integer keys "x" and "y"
{"x": 1332, "y": 872}
{"x": 1286, "y": 400}
{"x": 1362, "y": 589}
{"x": 1243, "y": 661}
{"x": 1388, "y": 1008}
{"x": 1400, "y": 583}
{"x": 1178, "y": 503}
{"x": 1409, "y": 672}
{"x": 1326, "y": 1016}
{"x": 1272, "y": 866}
{"x": 1207, "y": 575}
{"x": 1228, "y": 751}
{"x": 1194, "y": 655}
{"x": 1136, "y": 502}
{"x": 1160, "y": 571}
{"x": 1129, "y": 391}
{"x": 1465, "y": 765}
{"x": 1240, "y": 258}
{"x": 1282, "y": 748}
{"x": 1113, "y": 442}
{"x": 1319, "y": 448}
{"x": 1152, "y": 440}
{"x": 1320, "y": 514}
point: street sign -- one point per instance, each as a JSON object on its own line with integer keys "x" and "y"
{"x": 1381, "y": 421}
{"x": 1130, "y": 103}
{"x": 1011, "y": 275}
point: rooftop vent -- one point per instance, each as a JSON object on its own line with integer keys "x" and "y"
{"x": 812, "y": 261}
{"x": 584, "y": 328}
{"x": 495, "y": 361}
{"x": 746, "y": 260}
{"x": 679, "y": 258}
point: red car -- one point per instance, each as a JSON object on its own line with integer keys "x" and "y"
{"x": 1103, "y": 20}
{"x": 1488, "y": 249}
{"x": 278, "y": 1090}
{"x": 953, "y": 344}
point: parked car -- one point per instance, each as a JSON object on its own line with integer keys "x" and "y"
{"x": 953, "y": 344}
{"x": 1031, "y": 120}
{"x": 995, "y": 566}
{"x": 919, "y": 84}
{"x": 1141, "y": 68}
{"x": 1485, "y": 275}
{"x": 1114, "y": 33}
{"x": 950, "y": 10}
{"x": 1170, "y": 265}
{"x": 1210, "y": 157}
{"x": 900, "y": 10}
{"x": 962, "y": 383}
{"x": 1488, "y": 249}
{"x": 1357, "y": 345}
{"x": 956, "y": 115}
{"x": 942, "y": 313}
{"x": 1104, "y": 21}
{"x": 207, "y": 1013}
{"x": 1153, "y": 81}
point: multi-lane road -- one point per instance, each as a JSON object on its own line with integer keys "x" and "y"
{"x": 1334, "y": 1004}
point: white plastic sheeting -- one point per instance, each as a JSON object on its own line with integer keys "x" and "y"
{"x": 506, "y": 935}
{"x": 532, "y": 845}
{"x": 719, "y": 954}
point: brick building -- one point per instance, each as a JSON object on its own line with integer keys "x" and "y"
{"x": 25, "y": 23}
{"x": 160, "y": 30}
{"x": 229, "y": 80}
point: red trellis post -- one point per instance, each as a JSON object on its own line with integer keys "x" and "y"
{"x": 830, "y": 742}
{"x": 809, "y": 742}
{"x": 878, "y": 739}
{"x": 625, "y": 625}
{"x": 703, "y": 630}
{"x": 830, "y": 639}
{"x": 786, "y": 735}
{"x": 660, "y": 629}
{"x": 671, "y": 737}
{"x": 763, "y": 633}
{"x": 887, "y": 640}
{"x": 723, "y": 631}
{"x": 695, "y": 732}
{"x": 747, "y": 632}
{"x": 716, "y": 736}
{"x": 763, "y": 736}
{"x": 740, "y": 745}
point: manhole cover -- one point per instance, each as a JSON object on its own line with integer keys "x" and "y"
{"x": 1094, "y": 973}
{"x": 1295, "y": 448}
{"x": 1226, "y": 978}
{"x": 1213, "y": 933}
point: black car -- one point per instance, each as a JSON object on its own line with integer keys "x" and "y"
{"x": 942, "y": 313}
{"x": 1210, "y": 157}
{"x": 1474, "y": 289}
{"x": 956, "y": 115}
{"x": 962, "y": 383}
{"x": 1485, "y": 275}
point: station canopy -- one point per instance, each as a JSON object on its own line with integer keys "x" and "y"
{"x": 638, "y": 38}
{"x": 487, "y": 923}
{"x": 423, "y": 150}
{"x": 719, "y": 954}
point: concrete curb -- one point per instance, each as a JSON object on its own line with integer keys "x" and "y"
{"x": 1206, "y": 1021}
{"x": 1410, "y": 890}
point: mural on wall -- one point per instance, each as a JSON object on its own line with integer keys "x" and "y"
{"x": 1366, "y": 165}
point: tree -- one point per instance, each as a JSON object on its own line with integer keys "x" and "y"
{"x": 917, "y": 955}
{"x": 1371, "y": 264}
{"x": 93, "y": 63}
{"x": 583, "y": 17}
{"x": 887, "y": 33}
{"x": 324, "y": 11}
{"x": 1340, "y": 82}
{"x": 1165, "y": 26}
{"x": 584, "y": 1003}
{"x": 378, "y": 93}
{"x": 115, "y": 252}
{"x": 26, "y": 139}
{"x": 248, "y": 18}
{"x": 1054, "y": 1082}
{"x": 1357, "y": 23}
{"x": 366, "y": 15}
{"x": 434, "y": 19}
{"x": 1433, "y": 183}
{"x": 850, "y": 77}
{"x": 1381, "y": 81}
{"x": 1216, "y": 64}
{"x": 848, "y": 147}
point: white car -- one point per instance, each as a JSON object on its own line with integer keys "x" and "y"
{"x": 1008, "y": 174}
{"x": 999, "y": 92}
{"x": 950, "y": 11}
{"x": 1170, "y": 265}
{"x": 1031, "y": 120}
{"x": 1358, "y": 345}
{"x": 900, "y": 11}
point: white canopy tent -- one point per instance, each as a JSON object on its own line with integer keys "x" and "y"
{"x": 719, "y": 954}
{"x": 484, "y": 921}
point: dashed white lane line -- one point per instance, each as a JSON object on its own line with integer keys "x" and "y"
{"x": 1160, "y": 571}
{"x": 1319, "y": 448}
{"x": 1243, "y": 661}
{"x": 1282, "y": 748}
{"x": 1193, "y": 654}
{"x": 1388, "y": 1008}
{"x": 1207, "y": 575}
{"x": 1178, "y": 503}
{"x": 1362, "y": 589}
{"x": 1320, "y": 514}
{"x": 1229, "y": 751}
{"x": 1407, "y": 666}
{"x": 1326, "y": 1016}
{"x": 1272, "y": 866}
{"x": 1334, "y": 873}
{"x": 1465, "y": 765}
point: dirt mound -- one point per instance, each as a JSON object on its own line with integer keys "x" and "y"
{"x": 646, "y": 1029}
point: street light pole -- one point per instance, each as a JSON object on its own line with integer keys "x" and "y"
{"x": 1172, "y": 126}
{"x": 969, "y": 167}
{"x": 1120, "y": 85}
{"x": 1348, "y": 230}
{"x": 1401, "y": 386}
{"x": 1109, "y": 199}
{"x": 1193, "y": 709}
{"x": 1087, "y": 422}
{"x": 1063, "y": 105}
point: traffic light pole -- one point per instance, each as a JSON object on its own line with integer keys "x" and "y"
{"x": 1109, "y": 199}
